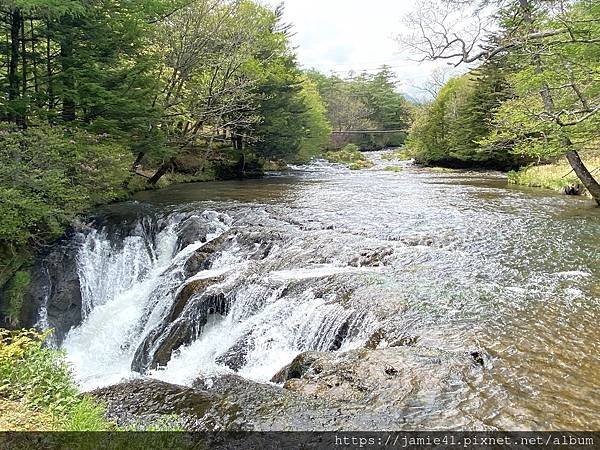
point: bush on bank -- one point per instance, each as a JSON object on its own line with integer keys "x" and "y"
{"x": 37, "y": 391}
{"x": 350, "y": 156}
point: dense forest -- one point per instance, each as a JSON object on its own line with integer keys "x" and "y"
{"x": 101, "y": 98}
{"x": 365, "y": 102}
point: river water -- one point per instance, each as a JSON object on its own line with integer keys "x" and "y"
{"x": 466, "y": 263}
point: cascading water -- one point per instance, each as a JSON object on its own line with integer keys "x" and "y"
{"x": 427, "y": 295}
{"x": 129, "y": 287}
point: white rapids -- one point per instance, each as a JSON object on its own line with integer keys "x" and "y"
{"x": 129, "y": 286}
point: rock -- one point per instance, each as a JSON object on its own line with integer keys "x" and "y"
{"x": 372, "y": 258}
{"x": 248, "y": 405}
{"x": 340, "y": 335}
{"x": 55, "y": 286}
{"x": 572, "y": 189}
{"x": 187, "y": 292}
{"x": 298, "y": 367}
{"x": 144, "y": 402}
{"x": 182, "y": 325}
{"x": 236, "y": 357}
{"x": 203, "y": 258}
{"x": 391, "y": 376}
{"x": 191, "y": 231}
{"x": 478, "y": 358}
{"x": 417, "y": 241}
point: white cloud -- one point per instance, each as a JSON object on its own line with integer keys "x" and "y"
{"x": 354, "y": 35}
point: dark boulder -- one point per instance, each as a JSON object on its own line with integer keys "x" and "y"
{"x": 182, "y": 325}
{"x": 372, "y": 257}
{"x": 203, "y": 258}
{"x": 143, "y": 402}
{"x": 55, "y": 288}
{"x": 237, "y": 356}
{"x": 191, "y": 231}
{"x": 298, "y": 367}
{"x": 573, "y": 189}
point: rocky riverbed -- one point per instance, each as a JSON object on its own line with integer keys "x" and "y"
{"x": 330, "y": 299}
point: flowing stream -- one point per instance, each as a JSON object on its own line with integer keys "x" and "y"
{"x": 321, "y": 258}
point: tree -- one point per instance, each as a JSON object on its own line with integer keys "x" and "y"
{"x": 554, "y": 47}
{"x": 365, "y": 102}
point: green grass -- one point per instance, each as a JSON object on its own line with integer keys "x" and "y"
{"x": 14, "y": 296}
{"x": 350, "y": 156}
{"x": 556, "y": 176}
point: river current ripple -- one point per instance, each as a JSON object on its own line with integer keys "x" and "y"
{"x": 477, "y": 264}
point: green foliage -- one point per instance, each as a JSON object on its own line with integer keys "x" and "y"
{"x": 568, "y": 74}
{"x": 400, "y": 155}
{"x": 350, "y": 156}
{"x": 450, "y": 130}
{"x": 42, "y": 190}
{"x": 14, "y": 294}
{"x": 365, "y": 102}
{"x": 393, "y": 169}
{"x": 41, "y": 379}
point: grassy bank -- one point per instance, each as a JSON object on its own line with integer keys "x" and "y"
{"x": 557, "y": 176}
{"x": 350, "y": 156}
{"x": 37, "y": 391}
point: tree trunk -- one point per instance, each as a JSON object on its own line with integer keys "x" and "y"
{"x": 50, "y": 81}
{"x": 23, "y": 59}
{"x": 584, "y": 175}
{"x": 36, "y": 87}
{"x": 66, "y": 56}
{"x": 13, "y": 77}
{"x": 138, "y": 161}
{"x": 161, "y": 171}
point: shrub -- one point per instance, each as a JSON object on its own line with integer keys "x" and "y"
{"x": 14, "y": 296}
{"x": 40, "y": 379}
{"x": 350, "y": 156}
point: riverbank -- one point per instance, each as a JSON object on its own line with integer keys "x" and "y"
{"x": 37, "y": 214}
{"x": 38, "y": 392}
{"x": 558, "y": 176}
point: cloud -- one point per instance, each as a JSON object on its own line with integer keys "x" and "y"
{"x": 353, "y": 35}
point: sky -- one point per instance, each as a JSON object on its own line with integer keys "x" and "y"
{"x": 344, "y": 35}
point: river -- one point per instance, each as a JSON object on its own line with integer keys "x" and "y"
{"x": 332, "y": 260}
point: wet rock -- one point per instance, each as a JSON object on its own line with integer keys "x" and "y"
{"x": 183, "y": 324}
{"x": 55, "y": 280}
{"x": 248, "y": 405}
{"x": 187, "y": 292}
{"x": 390, "y": 370}
{"x": 375, "y": 339}
{"x": 236, "y": 357}
{"x": 340, "y": 335}
{"x": 192, "y": 230}
{"x": 477, "y": 358}
{"x": 298, "y": 367}
{"x": 573, "y": 189}
{"x": 203, "y": 258}
{"x": 144, "y": 402}
{"x": 417, "y": 241}
{"x": 372, "y": 258}
{"x": 390, "y": 376}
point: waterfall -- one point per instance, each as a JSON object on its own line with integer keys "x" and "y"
{"x": 263, "y": 312}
